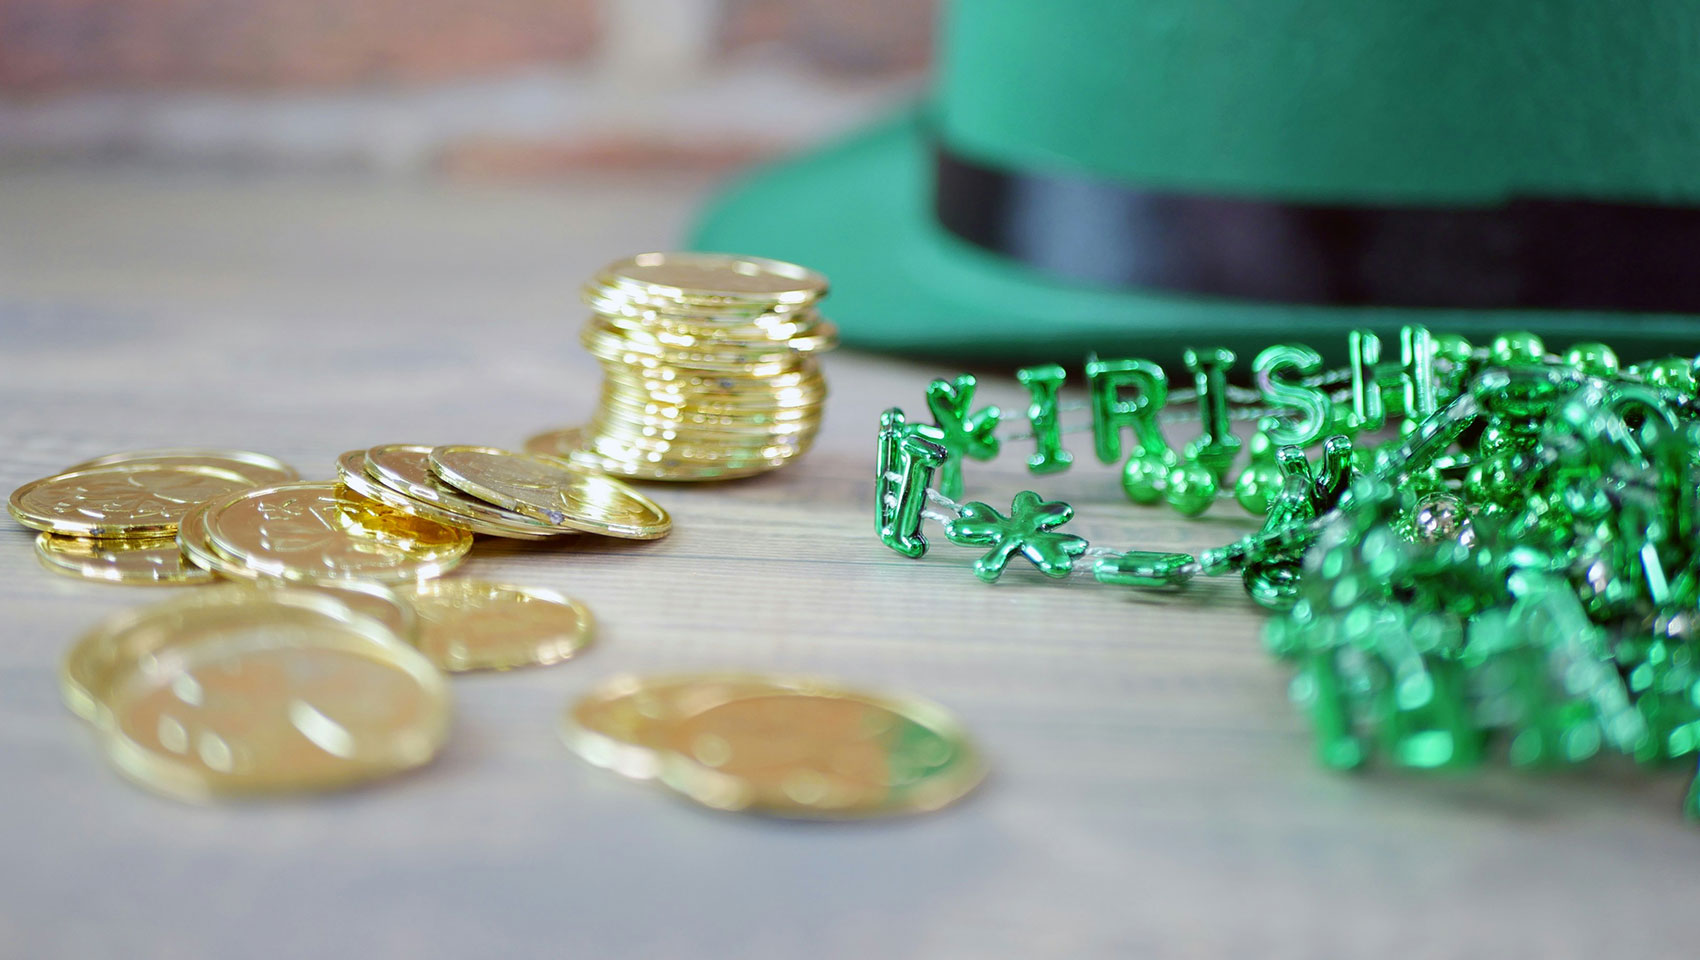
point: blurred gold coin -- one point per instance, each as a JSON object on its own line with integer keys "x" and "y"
{"x": 141, "y": 562}
{"x": 551, "y": 490}
{"x": 271, "y": 695}
{"x": 406, "y": 469}
{"x": 121, "y": 500}
{"x": 782, "y": 746}
{"x": 474, "y": 625}
{"x": 104, "y": 654}
{"x": 365, "y": 598}
{"x": 321, "y": 531}
{"x": 708, "y": 278}
{"x": 622, "y": 724}
{"x": 260, "y": 469}
{"x": 821, "y": 753}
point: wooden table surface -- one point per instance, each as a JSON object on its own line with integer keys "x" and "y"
{"x": 1153, "y": 791}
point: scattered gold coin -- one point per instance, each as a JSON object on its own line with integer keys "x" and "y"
{"x": 623, "y": 724}
{"x": 474, "y": 625}
{"x": 121, "y": 500}
{"x": 140, "y": 562}
{"x": 320, "y": 531}
{"x": 784, "y": 747}
{"x": 241, "y": 691}
{"x": 552, "y": 491}
{"x": 404, "y": 470}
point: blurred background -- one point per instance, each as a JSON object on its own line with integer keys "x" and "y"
{"x": 462, "y": 88}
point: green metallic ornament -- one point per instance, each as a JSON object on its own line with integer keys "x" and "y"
{"x": 960, "y": 432}
{"x": 1144, "y": 568}
{"x": 1190, "y": 488}
{"x": 1028, "y": 531}
{"x": 1216, "y": 447}
{"x": 1144, "y": 476}
{"x": 1127, "y": 394}
{"x": 1042, "y": 384}
{"x": 1277, "y": 371}
{"x": 905, "y": 466}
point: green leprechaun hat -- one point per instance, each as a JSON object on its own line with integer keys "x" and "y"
{"x": 1144, "y": 176}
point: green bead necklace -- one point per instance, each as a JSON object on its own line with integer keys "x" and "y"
{"x": 1514, "y": 566}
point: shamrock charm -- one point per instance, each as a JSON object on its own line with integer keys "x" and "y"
{"x": 958, "y": 428}
{"x": 1027, "y": 531}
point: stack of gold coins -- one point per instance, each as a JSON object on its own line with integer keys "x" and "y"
{"x": 781, "y": 746}
{"x": 709, "y": 368}
{"x": 235, "y": 690}
{"x": 115, "y": 518}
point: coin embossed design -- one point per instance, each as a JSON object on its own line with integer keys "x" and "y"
{"x": 121, "y": 500}
{"x": 150, "y": 561}
{"x": 551, "y": 490}
{"x": 283, "y": 691}
{"x": 324, "y": 531}
{"x": 474, "y": 625}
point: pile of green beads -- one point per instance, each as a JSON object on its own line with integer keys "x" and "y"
{"x": 1513, "y": 569}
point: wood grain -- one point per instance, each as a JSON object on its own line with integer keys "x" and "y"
{"x": 1154, "y": 794}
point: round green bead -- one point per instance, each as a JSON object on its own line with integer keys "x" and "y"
{"x": 1260, "y": 447}
{"x": 1142, "y": 478}
{"x": 1191, "y": 488}
{"x": 1452, "y": 348}
{"x": 1257, "y": 485}
{"x": 1674, "y": 372}
{"x": 1594, "y": 359}
{"x": 1516, "y": 347}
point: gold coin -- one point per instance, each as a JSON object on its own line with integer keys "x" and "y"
{"x": 820, "y": 753}
{"x": 406, "y": 469}
{"x": 711, "y": 277}
{"x": 805, "y": 333}
{"x": 197, "y": 545}
{"x": 150, "y": 561}
{"x": 364, "y": 597}
{"x": 473, "y": 625}
{"x": 622, "y": 724}
{"x": 268, "y": 696}
{"x": 121, "y": 500}
{"x": 609, "y": 458}
{"x": 551, "y": 490}
{"x": 106, "y": 653}
{"x": 323, "y": 531}
{"x": 260, "y": 469}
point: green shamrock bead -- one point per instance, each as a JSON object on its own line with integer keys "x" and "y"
{"x": 1593, "y": 359}
{"x": 1027, "y": 531}
{"x": 958, "y": 428}
{"x": 1191, "y": 488}
{"x": 1257, "y": 485}
{"x": 1143, "y": 476}
{"x": 1515, "y": 348}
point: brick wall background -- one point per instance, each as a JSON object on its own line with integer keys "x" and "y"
{"x": 475, "y": 87}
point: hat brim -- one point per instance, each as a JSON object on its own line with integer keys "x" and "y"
{"x": 860, "y": 211}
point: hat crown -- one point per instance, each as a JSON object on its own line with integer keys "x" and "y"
{"x": 1415, "y": 101}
